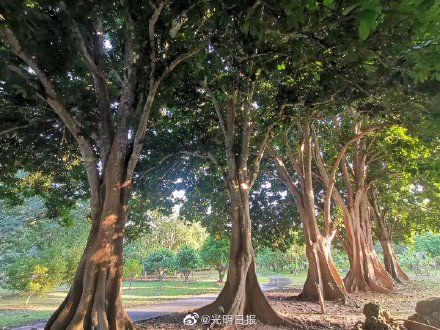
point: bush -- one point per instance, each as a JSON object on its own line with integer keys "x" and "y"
{"x": 186, "y": 261}
{"x": 159, "y": 262}
{"x": 215, "y": 253}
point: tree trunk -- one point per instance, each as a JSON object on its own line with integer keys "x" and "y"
{"x": 366, "y": 271}
{"x": 94, "y": 299}
{"x": 321, "y": 273}
{"x": 242, "y": 294}
{"x": 27, "y": 299}
{"x": 221, "y": 273}
{"x": 391, "y": 264}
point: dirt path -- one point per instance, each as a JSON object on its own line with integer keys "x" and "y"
{"x": 178, "y": 306}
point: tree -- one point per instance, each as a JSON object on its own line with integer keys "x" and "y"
{"x": 187, "y": 260}
{"x": 160, "y": 262}
{"x": 429, "y": 243}
{"x": 366, "y": 271}
{"x": 86, "y": 63}
{"x": 215, "y": 253}
{"x": 163, "y": 232}
{"x": 393, "y": 194}
{"x": 132, "y": 270}
{"x": 322, "y": 277}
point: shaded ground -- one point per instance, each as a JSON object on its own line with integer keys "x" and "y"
{"x": 400, "y": 303}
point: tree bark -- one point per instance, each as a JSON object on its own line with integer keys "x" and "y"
{"x": 242, "y": 294}
{"x": 94, "y": 300}
{"x": 322, "y": 276}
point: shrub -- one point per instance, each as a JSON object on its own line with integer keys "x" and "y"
{"x": 429, "y": 243}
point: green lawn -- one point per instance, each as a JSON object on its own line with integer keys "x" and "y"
{"x": 13, "y": 312}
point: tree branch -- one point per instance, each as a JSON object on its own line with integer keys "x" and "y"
{"x": 15, "y": 128}
{"x": 58, "y": 107}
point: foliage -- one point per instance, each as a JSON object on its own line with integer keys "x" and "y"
{"x": 340, "y": 260}
{"x": 161, "y": 231}
{"x": 30, "y": 239}
{"x": 33, "y": 276}
{"x": 187, "y": 260}
{"x": 428, "y": 243}
{"x": 277, "y": 261}
{"x": 160, "y": 262}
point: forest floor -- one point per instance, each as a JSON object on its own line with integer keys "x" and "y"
{"x": 400, "y": 304}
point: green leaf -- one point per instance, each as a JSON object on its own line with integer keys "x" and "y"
{"x": 329, "y": 3}
{"x": 364, "y": 30}
{"x": 281, "y": 67}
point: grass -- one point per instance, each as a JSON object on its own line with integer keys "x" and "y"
{"x": 13, "y": 312}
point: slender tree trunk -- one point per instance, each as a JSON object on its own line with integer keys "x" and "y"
{"x": 242, "y": 294}
{"x": 391, "y": 264}
{"x": 94, "y": 299}
{"x": 27, "y": 299}
{"x": 323, "y": 279}
{"x": 221, "y": 273}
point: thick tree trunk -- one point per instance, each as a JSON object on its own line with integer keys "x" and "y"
{"x": 94, "y": 299}
{"x": 366, "y": 271}
{"x": 242, "y": 294}
{"x": 322, "y": 274}
{"x": 391, "y": 264}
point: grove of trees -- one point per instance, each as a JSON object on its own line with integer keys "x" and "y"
{"x": 271, "y": 123}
